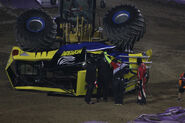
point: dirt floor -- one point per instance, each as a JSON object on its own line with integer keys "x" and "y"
{"x": 165, "y": 36}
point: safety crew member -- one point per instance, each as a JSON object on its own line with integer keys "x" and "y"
{"x": 101, "y": 80}
{"x": 104, "y": 78}
{"x": 119, "y": 84}
{"x": 181, "y": 85}
{"x": 142, "y": 79}
{"x": 91, "y": 79}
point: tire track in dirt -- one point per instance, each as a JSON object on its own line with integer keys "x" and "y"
{"x": 7, "y": 22}
{"x": 167, "y": 63}
{"x": 10, "y": 12}
{"x": 159, "y": 50}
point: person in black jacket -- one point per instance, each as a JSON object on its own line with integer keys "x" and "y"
{"x": 91, "y": 79}
{"x": 119, "y": 83}
{"x": 104, "y": 78}
{"x": 98, "y": 74}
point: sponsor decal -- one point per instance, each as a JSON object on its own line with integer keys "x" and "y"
{"x": 72, "y": 52}
{"x": 64, "y": 60}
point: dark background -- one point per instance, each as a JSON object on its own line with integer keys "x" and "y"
{"x": 165, "y": 35}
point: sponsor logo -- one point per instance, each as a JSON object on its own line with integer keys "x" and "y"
{"x": 72, "y": 52}
{"x": 66, "y": 60}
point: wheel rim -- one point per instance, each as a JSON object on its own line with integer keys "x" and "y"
{"x": 35, "y": 24}
{"x": 121, "y": 17}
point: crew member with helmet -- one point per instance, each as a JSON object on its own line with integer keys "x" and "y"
{"x": 142, "y": 79}
{"x": 181, "y": 85}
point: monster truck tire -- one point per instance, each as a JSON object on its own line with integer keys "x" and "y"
{"x": 36, "y": 31}
{"x": 124, "y": 25}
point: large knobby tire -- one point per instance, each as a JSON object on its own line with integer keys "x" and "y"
{"x": 36, "y": 31}
{"x": 123, "y": 26}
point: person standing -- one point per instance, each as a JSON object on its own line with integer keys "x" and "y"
{"x": 99, "y": 75}
{"x": 104, "y": 78}
{"x": 181, "y": 85}
{"x": 91, "y": 79}
{"x": 142, "y": 79}
{"x": 119, "y": 83}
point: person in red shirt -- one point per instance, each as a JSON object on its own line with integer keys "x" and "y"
{"x": 142, "y": 79}
{"x": 181, "y": 85}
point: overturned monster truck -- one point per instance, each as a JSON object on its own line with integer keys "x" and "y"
{"x": 52, "y": 53}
